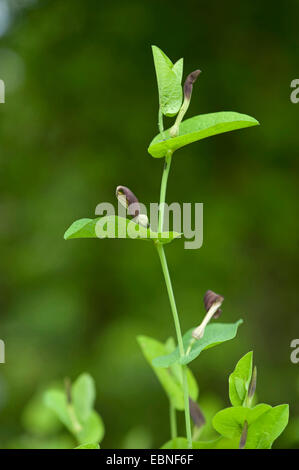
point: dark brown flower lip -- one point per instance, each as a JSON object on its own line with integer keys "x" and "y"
{"x": 211, "y": 298}
{"x": 188, "y": 85}
{"x": 130, "y": 199}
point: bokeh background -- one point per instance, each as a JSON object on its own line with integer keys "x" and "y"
{"x": 81, "y": 108}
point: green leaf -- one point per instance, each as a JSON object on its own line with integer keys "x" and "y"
{"x": 219, "y": 443}
{"x": 170, "y": 379}
{"x": 56, "y": 401}
{"x": 78, "y": 416}
{"x": 215, "y": 333}
{"x": 265, "y": 424}
{"x": 169, "y": 79}
{"x": 197, "y": 128}
{"x": 92, "y": 429}
{"x": 239, "y": 380}
{"x": 230, "y": 421}
{"x": 38, "y": 419}
{"x": 177, "y": 443}
{"x": 267, "y": 428}
{"x": 112, "y": 226}
{"x": 88, "y": 446}
{"x": 83, "y": 396}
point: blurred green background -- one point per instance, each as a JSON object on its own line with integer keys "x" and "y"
{"x": 81, "y": 109}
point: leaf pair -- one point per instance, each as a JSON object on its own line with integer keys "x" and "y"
{"x": 239, "y": 380}
{"x": 215, "y": 333}
{"x": 113, "y": 226}
{"x": 169, "y": 78}
{"x": 170, "y": 378}
{"x": 265, "y": 424}
{"x": 77, "y": 412}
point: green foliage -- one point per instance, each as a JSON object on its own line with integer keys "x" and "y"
{"x": 265, "y": 424}
{"x": 116, "y": 227}
{"x": 169, "y": 77}
{"x": 219, "y": 443}
{"x": 215, "y": 333}
{"x": 170, "y": 378}
{"x": 75, "y": 410}
{"x": 239, "y": 380}
{"x": 88, "y": 446}
{"x": 83, "y": 396}
{"x": 38, "y": 419}
{"x": 197, "y": 128}
{"x": 177, "y": 443}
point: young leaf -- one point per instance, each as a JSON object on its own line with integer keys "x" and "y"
{"x": 78, "y": 414}
{"x": 197, "y": 128}
{"x": 170, "y": 379}
{"x": 265, "y": 424}
{"x": 112, "y": 226}
{"x": 230, "y": 421}
{"x": 267, "y": 428}
{"x": 83, "y": 396}
{"x": 169, "y": 77}
{"x": 92, "y": 429}
{"x": 88, "y": 446}
{"x": 56, "y": 401}
{"x": 215, "y": 333}
{"x": 239, "y": 380}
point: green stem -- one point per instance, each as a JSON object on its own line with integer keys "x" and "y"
{"x": 163, "y": 260}
{"x": 167, "y": 164}
{"x": 172, "y": 299}
{"x": 73, "y": 418}
{"x": 160, "y": 123}
{"x": 173, "y": 424}
{"x": 179, "y": 339}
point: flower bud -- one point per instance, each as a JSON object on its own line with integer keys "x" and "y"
{"x": 174, "y": 131}
{"x": 128, "y": 199}
{"x": 211, "y": 298}
{"x": 142, "y": 219}
{"x": 244, "y": 435}
{"x": 188, "y": 85}
{"x": 196, "y": 414}
{"x": 252, "y": 385}
{"x": 212, "y": 303}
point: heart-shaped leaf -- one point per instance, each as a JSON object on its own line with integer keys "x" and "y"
{"x": 169, "y": 77}
{"x": 78, "y": 416}
{"x": 265, "y": 424}
{"x": 230, "y": 421}
{"x": 197, "y": 128}
{"x": 112, "y": 226}
{"x": 171, "y": 378}
{"x": 239, "y": 380}
{"x": 265, "y": 430}
{"x": 215, "y": 333}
